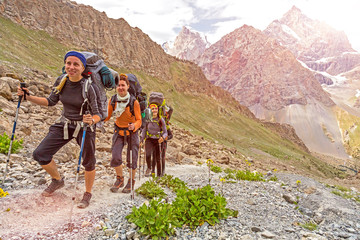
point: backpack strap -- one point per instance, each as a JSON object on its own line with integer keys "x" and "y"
{"x": 85, "y": 89}
{"x": 113, "y": 100}
{"x": 130, "y": 104}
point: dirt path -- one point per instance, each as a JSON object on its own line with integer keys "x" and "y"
{"x": 32, "y": 216}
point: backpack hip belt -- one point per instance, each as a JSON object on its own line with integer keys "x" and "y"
{"x": 153, "y": 135}
{"x": 118, "y": 129}
{"x": 66, "y": 122}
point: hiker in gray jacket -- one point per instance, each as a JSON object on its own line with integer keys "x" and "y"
{"x": 154, "y": 132}
{"x": 68, "y": 90}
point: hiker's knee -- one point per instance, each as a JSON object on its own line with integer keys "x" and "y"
{"x": 133, "y": 165}
{"x": 116, "y": 161}
{"x": 40, "y": 157}
{"x": 90, "y": 166}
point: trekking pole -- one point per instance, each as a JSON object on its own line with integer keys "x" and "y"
{"x": 163, "y": 153}
{"x": 22, "y": 85}
{"x": 77, "y": 172}
{"x": 144, "y": 159}
{"x": 140, "y": 164}
{"x": 131, "y": 170}
{"x": 159, "y": 161}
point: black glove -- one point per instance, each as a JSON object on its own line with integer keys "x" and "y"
{"x": 106, "y": 77}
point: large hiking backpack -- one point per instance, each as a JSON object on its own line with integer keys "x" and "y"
{"x": 105, "y": 78}
{"x": 158, "y": 99}
{"x": 165, "y": 111}
{"x": 135, "y": 89}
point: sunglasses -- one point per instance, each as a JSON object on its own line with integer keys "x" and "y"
{"x": 124, "y": 101}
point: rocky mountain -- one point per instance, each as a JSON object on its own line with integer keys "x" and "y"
{"x": 188, "y": 45}
{"x": 257, "y": 70}
{"x": 266, "y": 77}
{"x": 113, "y": 39}
{"x": 319, "y": 46}
{"x": 327, "y": 53}
{"x": 275, "y": 75}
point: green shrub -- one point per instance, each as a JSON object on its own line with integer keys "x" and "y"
{"x": 341, "y": 188}
{"x": 5, "y": 144}
{"x": 151, "y": 189}
{"x": 173, "y": 183}
{"x": 250, "y": 176}
{"x": 190, "y": 207}
{"x": 157, "y": 220}
{"x": 194, "y": 207}
{"x": 309, "y": 226}
{"x": 245, "y": 175}
{"x": 215, "y": 169}
{"x": 273, "y": 178}
{"x": 229, "y": 171}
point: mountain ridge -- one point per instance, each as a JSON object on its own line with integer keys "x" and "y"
{"x": 284, "y": 82}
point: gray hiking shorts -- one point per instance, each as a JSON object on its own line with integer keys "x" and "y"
{"x": 117, "y": 148}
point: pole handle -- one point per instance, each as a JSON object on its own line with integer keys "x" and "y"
{"x": 22, "y": 86}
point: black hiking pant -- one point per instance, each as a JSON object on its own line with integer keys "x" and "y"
{"x": 163, "y": 147}
{"x": 152, "y": 148}
{"x": 54, "y": 140}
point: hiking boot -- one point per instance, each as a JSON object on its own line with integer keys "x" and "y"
{"x": 85, "y": 201}
{"x": 127, "y": 188}
{"x": 118, "y": 184}
{"x": 147, "y": 173}
{"x": 53, "y": 186}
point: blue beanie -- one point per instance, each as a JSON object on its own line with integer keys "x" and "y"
{"x": 78, "y": 55}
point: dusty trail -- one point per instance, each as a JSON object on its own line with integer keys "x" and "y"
{"x": 32, "y": 216}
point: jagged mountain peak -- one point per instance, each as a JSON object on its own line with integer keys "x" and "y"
{"x": 308, "y": 39}
{"x": 317, "y": 45}
{"x": 188, "y": 45}
{"x": 187, "y": 30}
{"x": 294, "y": 11}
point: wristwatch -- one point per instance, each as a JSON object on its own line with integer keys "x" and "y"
{"x": 93, "y": 121}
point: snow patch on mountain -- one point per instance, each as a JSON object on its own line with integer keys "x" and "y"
{"x": 289, "y": 31}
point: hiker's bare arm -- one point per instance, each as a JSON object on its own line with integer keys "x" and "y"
{"x": 34, "y": 99}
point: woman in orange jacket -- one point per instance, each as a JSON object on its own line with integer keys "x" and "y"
{"x": 128, "y": 121}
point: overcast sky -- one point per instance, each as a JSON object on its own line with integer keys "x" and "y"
{"x": 163, "y": 19}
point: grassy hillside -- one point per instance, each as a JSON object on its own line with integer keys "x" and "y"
{"x": 28, "y": 48}
{"x": 196, "y": 112}
{"x": 349, "y": 125}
